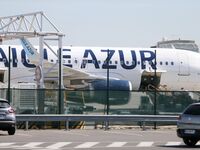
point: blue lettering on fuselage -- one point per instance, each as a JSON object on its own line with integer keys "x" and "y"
{"x": 3, "y": 57}
{"x": 89, "y": 57}
{"x": 149, "y": 59}
{"x": 24, "y": 60}
{"x": 67, "y": 57}
{"x": 45, "y": 54}
{"x": 14, "y": 57}
{"x": 122, "y": 60}
{"x": 106, "y": 64}
{"x": 93, "y": 60}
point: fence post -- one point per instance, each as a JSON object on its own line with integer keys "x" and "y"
{"x": 67, "y": 125}
{"x": 106, "y": 125}
{"x": 26, "y": 127}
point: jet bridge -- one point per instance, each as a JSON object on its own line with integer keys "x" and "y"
{"x": 38, "y": 26}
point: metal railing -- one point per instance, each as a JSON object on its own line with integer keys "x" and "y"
{"x": 104, "y": 118}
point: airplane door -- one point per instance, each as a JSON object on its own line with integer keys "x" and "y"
{"x": 184, "y": 68}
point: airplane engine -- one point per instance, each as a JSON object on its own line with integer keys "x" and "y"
{"x": 96, "y": 92}
{"x": 114, "y": 85}
{"x": 119, "y": 92}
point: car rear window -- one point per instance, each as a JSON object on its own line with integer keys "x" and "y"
{"x": 4, "y": 104}
{"x": 193, "y": 110}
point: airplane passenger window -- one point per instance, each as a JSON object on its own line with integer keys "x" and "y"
{"x": 84, "y": 61}
{"x": 110, "y": 62}
{"x": 127, "y": 62}
{"x": 166, "y": 63}
{"x": 161, "y": 63}
{"x": 116, "y": 62}
{"x": 1, "y": 76}
{"x": 133, "y": 62}
{"x": 138, "y": 62}
{"x": 51, "y": 60}
{"x": 99, "y": 62}
{"x": 76, "y": 61}
{"x": 69, "y": 61}
{"x": 172, "y": 63}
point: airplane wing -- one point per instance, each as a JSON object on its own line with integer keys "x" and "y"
{"x": 72, "y": 78}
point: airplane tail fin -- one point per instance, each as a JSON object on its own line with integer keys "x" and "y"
{"x": 31, "y": 52}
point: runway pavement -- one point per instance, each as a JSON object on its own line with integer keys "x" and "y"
{"x": 122, "y": 139}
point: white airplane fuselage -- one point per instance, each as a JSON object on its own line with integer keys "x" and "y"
{"x": 178, "y": 70}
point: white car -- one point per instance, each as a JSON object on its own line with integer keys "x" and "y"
{"x": 188, "y": 125}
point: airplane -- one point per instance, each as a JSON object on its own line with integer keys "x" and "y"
{"x": 130, "y": 69}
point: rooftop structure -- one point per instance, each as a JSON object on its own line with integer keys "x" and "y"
{"x": 178, "y": 44}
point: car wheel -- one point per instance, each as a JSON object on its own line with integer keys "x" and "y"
{"x": 11, "y": 131}
{"x": 190, "y": 142}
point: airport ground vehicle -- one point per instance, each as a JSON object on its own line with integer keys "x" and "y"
{"x": 188, "y": 125}
{"x": 7, "y": 117}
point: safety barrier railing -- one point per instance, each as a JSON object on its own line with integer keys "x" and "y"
{"x": 104, "y": 118}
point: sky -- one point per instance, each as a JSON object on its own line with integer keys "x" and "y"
{"x": 118, "y": 23}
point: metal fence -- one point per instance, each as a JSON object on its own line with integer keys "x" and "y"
{"x": 45, "y": 101}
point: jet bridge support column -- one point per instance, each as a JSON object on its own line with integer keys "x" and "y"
{"x": 41, "y": 49}
{"x": 60, "y": 75}
{"x": 61, "y": 61}
{"x": 41, "y": 91}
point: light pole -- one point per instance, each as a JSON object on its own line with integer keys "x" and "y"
{"x": 107, "y": 91}
{"x": 108, "y": 86}
{"x": 155, "y": 91}
{"x": 9, "y": 59}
